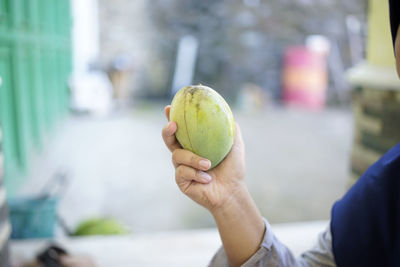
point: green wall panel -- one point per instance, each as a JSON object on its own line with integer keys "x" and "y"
{"x": 38, "y": 95}
{"x": 35, "y": 62}
{"x": 7, "y": 107}
{"x": 4, "y": 14}
{"x": 34, "y": 119}
{"x": 20, "y": 77}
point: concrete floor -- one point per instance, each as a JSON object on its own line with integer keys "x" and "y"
{"x": 173, "y": 248}
{"x": 297, "y": 166}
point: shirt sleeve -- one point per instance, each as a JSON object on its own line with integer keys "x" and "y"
{"x": 273, "y": 253}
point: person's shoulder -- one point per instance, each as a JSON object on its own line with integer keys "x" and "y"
{"x": 388, "y": 165}
{"x": 392, "y": 156}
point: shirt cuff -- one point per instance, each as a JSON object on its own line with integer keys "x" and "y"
{"x": 265, "y": 246}
{"x": 220, "y": 259}
{"x": 268, "y": 236}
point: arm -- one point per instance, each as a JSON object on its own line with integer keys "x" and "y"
{"x": 240, "y": 226}
{"x": 273, "y": 253}
{"x": 223, "y": 192}
{"x": 246, "y": 237}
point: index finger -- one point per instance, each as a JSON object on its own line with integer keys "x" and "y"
{"x": 168, "y": 132}
{"x": 168, "y": 135}
{"x": 167, "y": 110}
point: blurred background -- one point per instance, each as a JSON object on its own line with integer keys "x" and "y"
{"x": 312, "y": 84}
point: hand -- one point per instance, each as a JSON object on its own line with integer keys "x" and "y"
{"x": 222, "y": 191}
{"x": 210, "y": 188}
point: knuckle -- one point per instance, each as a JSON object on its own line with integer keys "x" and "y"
{"x": 164, "y": 132}
{"x": 193, "y": 160}
{"x": 179, "y": 172}
{"x": 168, "y": 140}
{"x": 175, "y": 155}
{"x": 179, "y": 181}
{"x": 196, "y": 173}
{"x": 177, "y": 178}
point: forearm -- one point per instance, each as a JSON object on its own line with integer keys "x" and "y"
{"x": 274, "y": 253}
{"x": 240, "y": 226}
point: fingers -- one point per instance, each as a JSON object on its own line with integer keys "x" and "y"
{"x": 167, "y": 110}
{"x": 185, "y": 174}
{"x": 168, "y": 135}
{"x": 238, "y": 137}
{"x": 168, "y": 132}
{"x": 238, "y": 149}
{"x": 185, "y": 157}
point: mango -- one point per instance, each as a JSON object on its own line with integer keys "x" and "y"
{"x": 100, "y": 226}
{"x": 205, "y": 122}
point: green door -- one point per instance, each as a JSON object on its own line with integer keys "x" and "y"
{"x": 8, "y": 114}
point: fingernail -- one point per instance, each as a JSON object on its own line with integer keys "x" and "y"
{"x": 205, "y": 176}
{"x": 205, "y": 164}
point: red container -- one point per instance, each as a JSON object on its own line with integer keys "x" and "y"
{"x": 304, "y": 78}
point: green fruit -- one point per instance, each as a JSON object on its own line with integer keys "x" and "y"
{"x": 100, "y": 226}
{"x": 205, "y": 122}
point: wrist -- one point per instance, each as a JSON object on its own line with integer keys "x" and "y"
{"x": 239, "y": 198}
{"x": 240, "y": 226}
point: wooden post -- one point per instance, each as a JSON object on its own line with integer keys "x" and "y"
{"x": 379, "y": 43}
{"x": 376, "y": 94}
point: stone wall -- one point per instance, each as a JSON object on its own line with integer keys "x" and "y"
{"x": 126, "y": 33}
{"x": 240, "y": 41}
